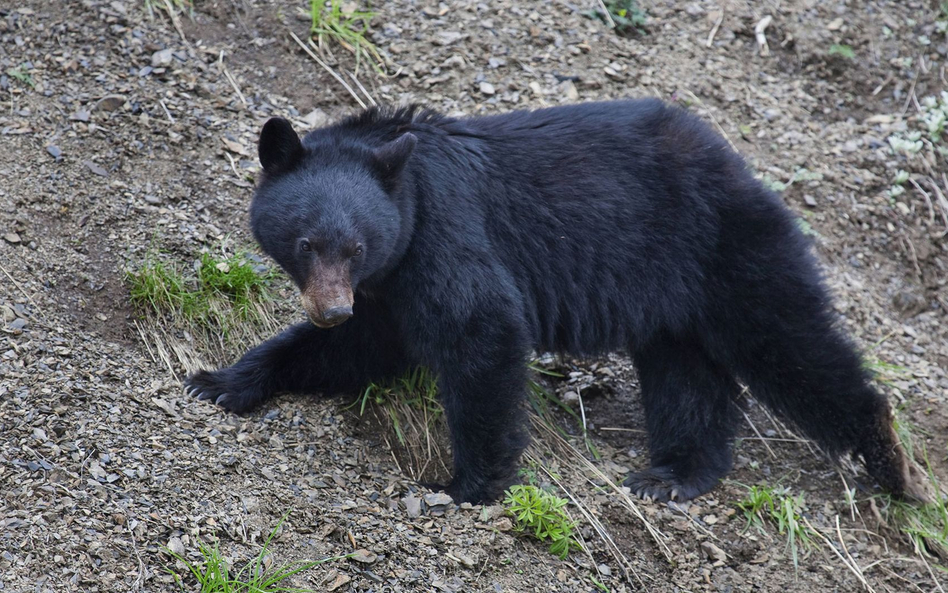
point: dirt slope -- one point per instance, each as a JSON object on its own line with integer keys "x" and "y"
{"x": 120, "y": 131}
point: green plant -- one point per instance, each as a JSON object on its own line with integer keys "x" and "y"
{"x": 544, "y": 402}
{"x": 843, "y": 51}
{"x": 221, "y": 292}
{"x": 924, "y": 525}
{"x": 417, "y": 389}
{"x": 627, "y": 16}
{"x": 20, "y": 74}
{"x": 214, "y": 575}
{"x": 347, "y": 27}
{"x": 543, "y": 516}
{"x": 775, "y": 505}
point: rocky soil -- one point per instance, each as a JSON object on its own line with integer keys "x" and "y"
{"x": 121, "y": 129}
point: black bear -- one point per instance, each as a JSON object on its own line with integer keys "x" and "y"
{"x": 465, "y": 244}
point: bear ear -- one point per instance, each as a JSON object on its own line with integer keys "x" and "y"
{"x": 390, "y": 159}
{"x": 279, "y": 147}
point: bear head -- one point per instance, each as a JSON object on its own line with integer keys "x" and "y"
{"x": 328, "y": 211}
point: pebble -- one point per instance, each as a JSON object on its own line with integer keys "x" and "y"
{"x": 363, "y": 556}
{"x": 714, "y": 553}
{"x": 12, "y": 238}
{"x": 438, "y": 498}
{"x": 110, "y": 103}
{"x": 487, "y": 88}
{"x": 54, "y": 151}
{"x": 412, "y": 505}
{"x": 161, "y": 58}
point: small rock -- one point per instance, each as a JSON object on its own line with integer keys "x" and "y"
{"x": 434, "y": 499}
{"x": 110, "y": 103}
{"x": 161, "y": 58}
{"x": 771, "y": 114}
{"x": 54, "y": 151}
{"x": 175, "y": 545}
{"x": 81, "y": 115}
{"x": 95, "y": 169}
{"x": 487, "y": 88}
{"x": 503, "y": 524}
{"x": 17, "y": 324}
{"x": 809, "y": 200}
{"x": 340, "y": 580}
{"x": 447, "y": 37}
{"x": 363, "y": 556}
{"x": 316, "y": 118}
{"x": 569, "y": 90}
{"x": 714, "y": 553}
{"x": 412, "y": 505}
{"x": 605, "y": 570}
{"x": 12, "y": 238}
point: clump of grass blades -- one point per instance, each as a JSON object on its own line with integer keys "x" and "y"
{"x": 544, "y": 402}
{"x": 542, "y": 515}
{"x": 924, "y": 525}
{"x": 214, "y": 575}
{"x": 626, "y": 15}
{"x": 775, "y": 505}
{"x": 223, "y": 290}
{"x": 347, "y": 28}
{"x": 416, "y": 390}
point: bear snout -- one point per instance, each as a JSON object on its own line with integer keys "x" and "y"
{"x": 328, "y": 302}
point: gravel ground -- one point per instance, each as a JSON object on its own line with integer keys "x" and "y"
{"x": 122, "y": 130}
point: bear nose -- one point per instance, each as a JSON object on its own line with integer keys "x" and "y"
{"x": 337, "y": 315}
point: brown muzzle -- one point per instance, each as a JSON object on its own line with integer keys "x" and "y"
{"x": 327, "y": 296}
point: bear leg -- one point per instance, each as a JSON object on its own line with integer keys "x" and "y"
{"x": 690, "y": 413}
{"x": 303, "y": 359}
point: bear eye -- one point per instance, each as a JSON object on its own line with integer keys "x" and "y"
{"x": 305, "y": 245}
{"x": 358, "y": 251}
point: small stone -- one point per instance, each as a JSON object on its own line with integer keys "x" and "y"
{"x": 316, "y": 118}
{"x": 487, "y": 88}
{"x": 54, "y": 151}
{"x": 447, "y": 37}
{"x": 569, "y": 90}
{"x": 95, "y": 169}
{"x": 17, "y": 324}
{"x": 12, "y": 238}
{"x": 714, "y": 553}
{"x": 412, "y": 505}
{"x": 81, "y": 115}
{"x": 340, "y": 580}
{"x": 503, "y": 524}
{"x": 363, "y": 556}
{"x": 771, "y": 114}
{"x": 605, "y": 570}
{"x": 110, "y": 103}
{"x": 161, "y": 58}
{"x": 809, "y": 200}
{"x": 175, "y": 545}
{"x": 434, "y": 499}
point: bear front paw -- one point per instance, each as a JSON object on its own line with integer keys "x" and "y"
{"x": 224, "y": 389}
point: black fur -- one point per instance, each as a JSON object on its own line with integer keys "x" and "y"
{"x": 582, "y": 229}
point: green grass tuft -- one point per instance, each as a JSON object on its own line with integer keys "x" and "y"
{"x": 843, "y": 51}
{"x": 222, "y": 291}
{"x": 347, "y": 28}
{"x": 20, "y": 74}
{"x": 628, "y": 17}
{"x": 214, "y": 575}
{"x": 417, "y": 390}
{"x": 543, "y": 516}
{"x": 765, "y": 504}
